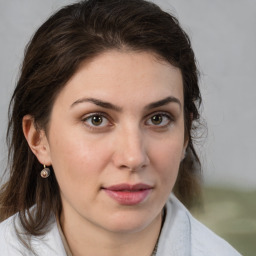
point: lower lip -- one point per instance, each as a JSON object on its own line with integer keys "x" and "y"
{"x": 128, "y": 197}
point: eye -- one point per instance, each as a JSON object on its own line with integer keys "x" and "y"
{"x": 159, "y": 120}
{"x": 96, "y": 120}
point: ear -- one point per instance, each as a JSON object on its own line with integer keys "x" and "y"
{"x": 37, "y": 140}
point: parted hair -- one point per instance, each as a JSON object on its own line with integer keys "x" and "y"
{"x": 74, "y": 34}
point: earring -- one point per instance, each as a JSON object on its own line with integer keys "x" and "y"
{"x": 45, "y": 173}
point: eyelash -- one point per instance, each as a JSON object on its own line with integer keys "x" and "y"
{"x": 96, "y": 114}
{"x": 163, "y": 115}
{"x": 107, "y": 119}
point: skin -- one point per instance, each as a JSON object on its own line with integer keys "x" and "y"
{"x": 133, "y": 142}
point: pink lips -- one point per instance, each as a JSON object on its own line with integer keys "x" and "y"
{"x": 126, "y": 194}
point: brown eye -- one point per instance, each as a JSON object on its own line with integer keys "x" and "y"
{"x": 96, "y": 120}
{"x": 160, "y": 120}
{"x": 156, "y": 119}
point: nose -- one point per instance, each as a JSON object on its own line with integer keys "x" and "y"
{"x": 130, "y": 150}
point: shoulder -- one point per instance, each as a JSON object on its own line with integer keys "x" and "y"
{"x": 182, "y": 234}
{"x": 12, "y": 232}
{"x": 9, "y": 242}
{"x": 204, "y": 240}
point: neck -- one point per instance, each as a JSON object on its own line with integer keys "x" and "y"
{"x": 85, "y": 238}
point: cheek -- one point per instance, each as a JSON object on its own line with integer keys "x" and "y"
{"x": 73, "y": 157}
{"x": 167, "y": 158}
{"x": 77, "y": 169}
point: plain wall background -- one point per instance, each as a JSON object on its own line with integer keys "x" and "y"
{"x": 223, "y": 35}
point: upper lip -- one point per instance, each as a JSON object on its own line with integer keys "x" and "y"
{"x": 129, "y": 187}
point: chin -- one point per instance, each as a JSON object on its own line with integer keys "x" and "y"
{"x": 128, "y": 223}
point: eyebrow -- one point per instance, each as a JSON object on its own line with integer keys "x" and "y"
{"x": 111, "y": 106}
{"x": 98, "y": 102}
{"x": 163, "y": 102}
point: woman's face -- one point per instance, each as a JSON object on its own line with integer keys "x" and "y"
{"x": 116, "y": 140}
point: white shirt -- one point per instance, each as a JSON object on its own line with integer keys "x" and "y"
{"x": 181, "y": 235}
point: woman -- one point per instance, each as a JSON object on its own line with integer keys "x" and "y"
{"x": 100, "y": 136}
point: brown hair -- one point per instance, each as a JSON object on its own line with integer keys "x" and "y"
{"x": 74, "y": 34}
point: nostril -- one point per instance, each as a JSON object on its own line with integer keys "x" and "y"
{"x": 130, "y": 153}
{"x": 133, "y": 168}
{"x": 124, "y": 167}
{"x": 128, "y": 167}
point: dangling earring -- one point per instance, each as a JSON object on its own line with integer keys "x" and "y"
{"x": 45, "y": 173}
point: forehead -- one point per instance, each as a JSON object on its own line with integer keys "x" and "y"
{"x": 118, "y": 75}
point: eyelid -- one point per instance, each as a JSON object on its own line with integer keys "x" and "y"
{"x": 101, "y": 114}
{"x": 162, "y": 113}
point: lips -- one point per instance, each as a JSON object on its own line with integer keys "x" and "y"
{"x": 127, "y": 194}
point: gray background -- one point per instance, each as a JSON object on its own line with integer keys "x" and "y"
{"x": 223, "y": 35}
